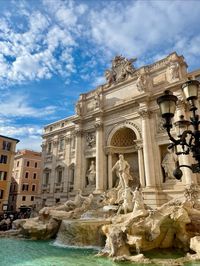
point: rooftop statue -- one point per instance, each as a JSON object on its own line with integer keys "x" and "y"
{"x": 122, "y": 69}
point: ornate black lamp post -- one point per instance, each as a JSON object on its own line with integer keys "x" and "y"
{"x": 188, "y": 139}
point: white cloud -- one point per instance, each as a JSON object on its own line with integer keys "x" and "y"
{"x": 31, "y": 51}
{"x": 142, "y": 27}
{"x": 18, "y": 106}
{"x": 29, "y": 135}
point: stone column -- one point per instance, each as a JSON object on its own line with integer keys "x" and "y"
{"x": 100, "y": 169}
{"x": 53, "y": 171}
{"x": 78, "y": 159}
{"x": 67, "y": 163}
{"x": 141, "y": 166}
{"x": 148, "y": 149}
{"x": 110, "y": 175}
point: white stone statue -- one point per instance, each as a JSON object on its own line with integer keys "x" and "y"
{"x": 91, "y": 174}
{"x": 122, "y": 169}
{"x": 169, "y": 164}
{"x": 110, "y": 77}
{"x": 78, "y": 108}
{"x": 173, "y": 71}
{"x": 127, "y": 205}
{"x": 141, "y": 83}
{"x": 138, "y": 200}
{"x": 97, "y": 100}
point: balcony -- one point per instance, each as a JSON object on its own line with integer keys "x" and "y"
{"x": 46, "y": 187}
{"x": 58, "y": 187}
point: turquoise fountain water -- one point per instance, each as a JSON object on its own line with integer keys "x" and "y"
{"x": 14, "y": 252}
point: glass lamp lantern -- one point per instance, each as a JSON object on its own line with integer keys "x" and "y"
{"x": 167, "y": 104}
{"x": 190, "y": 89}
{"x": 182, "y": 125}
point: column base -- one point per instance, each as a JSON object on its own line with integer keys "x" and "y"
{"x": 98, "y": 191}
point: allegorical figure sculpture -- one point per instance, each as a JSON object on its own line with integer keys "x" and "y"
{"x": 91, "y": 174}
{"x": 78, "y": 108}
{"x": 122, "y": 169}
{"x": 141, "y": 83}
{"x": 174, "y": 71}
{"x": 138, "y": 200}
{"x": 169, "y": 164}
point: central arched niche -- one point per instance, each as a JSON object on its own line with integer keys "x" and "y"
{"x": 123, "y": 141}
{"x": 123, "y": 137}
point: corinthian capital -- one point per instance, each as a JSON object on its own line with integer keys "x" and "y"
{"x": 98, "y": 124}
{"x": 78, "y": 132}
{"x": 145, "y": 113}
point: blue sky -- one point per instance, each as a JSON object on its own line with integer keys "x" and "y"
{"x": 53, "y": 50}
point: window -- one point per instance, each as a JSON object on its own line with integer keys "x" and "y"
{"x": 49, "y": 147}
{"x": 17, "y": 163}
{"x": 47, "y": 178}
{"x": 60, "y": 176}
{"x": 61, "y": 144}
{"x": 13, "y": 197}
{"x": 63, "y": 124}
{"x": 6, "y": 145}
{"x": 51, "y": 128}
{"x": 23, "y": 198}
{"x": 33, "y": 187}
{"x": 3, "y": 175}
{"x": 35, "y": 165}
{"x": 28, "y": 163}
{"x": 57, "y": 200}
{"x": 25, "y": 187}
{"x": 3, "y": 159}
{"x": 32, "y": 198}
{"x": 26, "y": 175}
{"x": 34, "y": 176}
{"x": 1, "y": 193}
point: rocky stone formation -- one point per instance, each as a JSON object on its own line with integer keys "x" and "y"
{"x": 126, "y": 232}
{"x": 82, "y": 232}
{"x": 171, "y": 225}
{"x": 35, "y": 228}
{"x": 46, "y": 225}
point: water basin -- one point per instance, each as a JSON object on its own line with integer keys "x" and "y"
{"x": 17, "y": 252}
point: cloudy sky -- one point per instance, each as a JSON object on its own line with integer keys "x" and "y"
{"x": 53, "y": 50}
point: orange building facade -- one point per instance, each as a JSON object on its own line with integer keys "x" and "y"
{"x": 7, "y": 153}
{"x": 25, "y": 186}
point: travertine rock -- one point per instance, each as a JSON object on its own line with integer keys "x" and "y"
{"x": 81, "y": 232}
{"x": 36, "y": 229}
{"x": 195, "y": 244}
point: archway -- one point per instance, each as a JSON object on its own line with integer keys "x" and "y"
{"x": 122, "y": 140}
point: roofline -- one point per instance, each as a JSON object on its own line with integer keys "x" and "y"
{"x": 17, "y": 140}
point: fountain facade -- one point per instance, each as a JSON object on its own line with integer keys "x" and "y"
{"x": 119, "y": 117}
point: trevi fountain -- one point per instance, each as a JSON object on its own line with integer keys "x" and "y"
{"x": 119, "y": 194}
{"x": 120, "y": 224}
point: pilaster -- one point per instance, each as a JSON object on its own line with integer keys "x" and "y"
{"x": 100, "y": 169}
{"x": 78, "y": 158}
{"x": 147, "y": 148}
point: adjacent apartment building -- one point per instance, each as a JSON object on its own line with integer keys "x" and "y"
{"x": 7, "y": 152}
{"x": 25, "y": 186}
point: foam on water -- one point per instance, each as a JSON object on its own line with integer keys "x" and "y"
{"x": 58, "y": 243}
